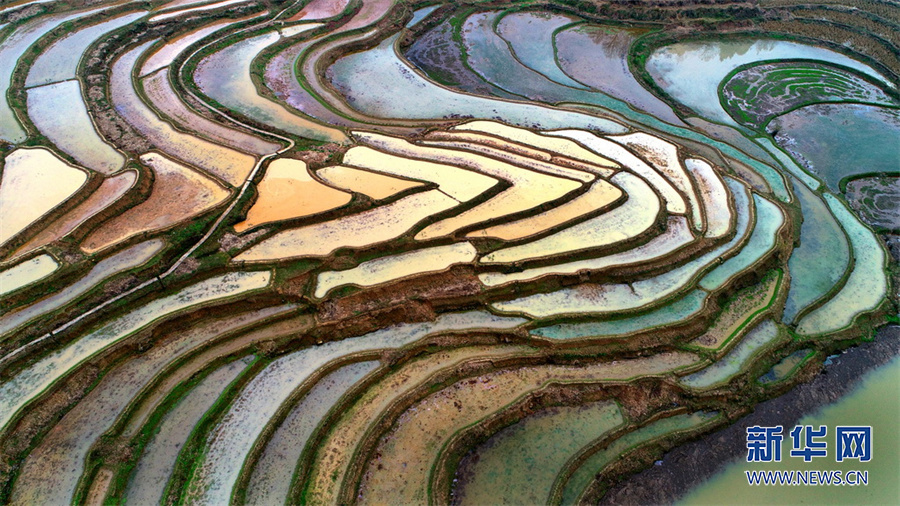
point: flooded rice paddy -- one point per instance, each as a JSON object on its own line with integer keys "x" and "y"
{"x": 337, "y": 252}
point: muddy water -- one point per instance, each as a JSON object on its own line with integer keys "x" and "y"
{"x": 875, "y": 402}
{"x": 289, "y": 191}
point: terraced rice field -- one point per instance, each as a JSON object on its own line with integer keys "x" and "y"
{"x": 288, "y": 191}
{"x": 34, "y": 182}
{"x": 269, "y": 252}
{"x": 758, "y": 93}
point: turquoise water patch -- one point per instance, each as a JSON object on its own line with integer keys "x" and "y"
{"x": 677, "y": 311}
{"x": 835, "y": 141}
